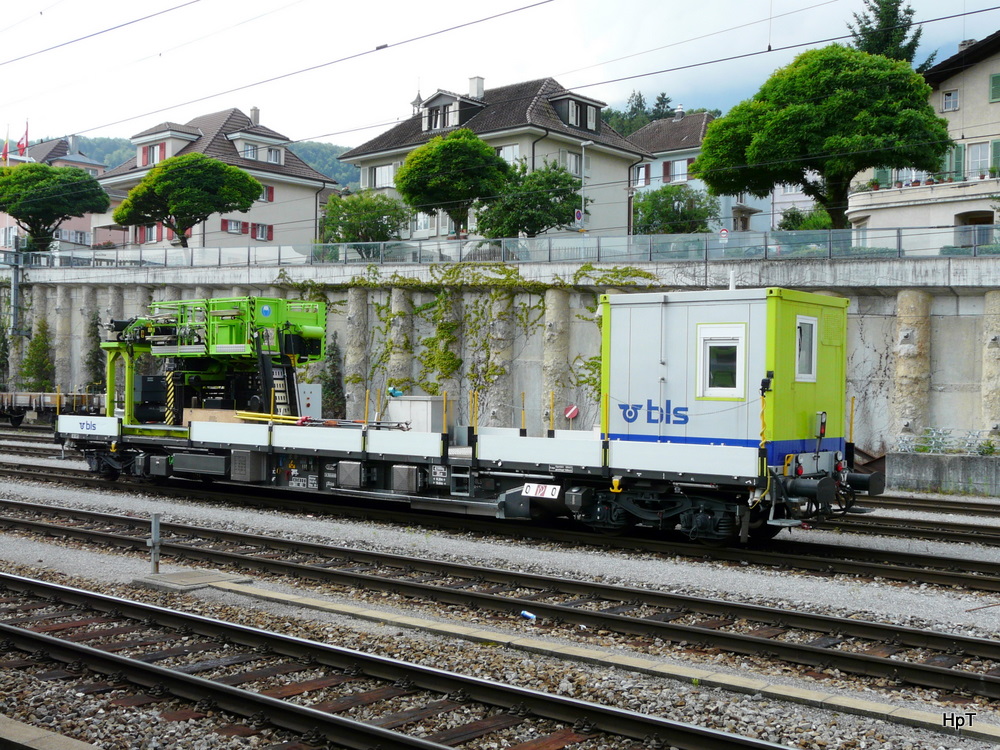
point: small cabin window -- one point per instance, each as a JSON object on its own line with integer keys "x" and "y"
{"x": 805, "y": 349}
{"x": 721, "y": 361}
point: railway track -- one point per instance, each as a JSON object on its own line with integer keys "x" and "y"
{"x": 944, "y": 661}
{"x": 805, "y": 556}
{"x": 141, "y": 655}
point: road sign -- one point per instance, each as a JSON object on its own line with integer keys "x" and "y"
{"x": 578, "y": 215}
{"x": 572, "y": 411}
{"x": 723, "y": 236}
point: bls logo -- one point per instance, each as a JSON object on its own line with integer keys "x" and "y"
{"x": 655, "y": 414}
{"x": 88, "y": 425}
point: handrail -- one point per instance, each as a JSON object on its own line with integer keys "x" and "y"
{"x": 833, "y": 244}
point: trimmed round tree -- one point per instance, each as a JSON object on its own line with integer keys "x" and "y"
{"x": 451, "y": 173}
{"x": 818, "y": 122}
{"x": 40, "y": 198}
{"x": 183, "y": 191}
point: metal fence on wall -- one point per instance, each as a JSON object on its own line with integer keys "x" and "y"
{"x": 836, "y": 244}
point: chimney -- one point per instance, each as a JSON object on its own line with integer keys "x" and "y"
{"x": 965, "y": 44}
{"x": 678, "y": 112}
{"x": 73, "y": 149}
{"x": 255, "y": 115}
{"x": 476, "y": 87}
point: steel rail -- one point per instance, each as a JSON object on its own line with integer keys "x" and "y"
{"x": 856, "y": 663}
{"x": 615, "y": 721}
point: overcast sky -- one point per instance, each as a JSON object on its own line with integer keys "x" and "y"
{"x": 315, "y": 70}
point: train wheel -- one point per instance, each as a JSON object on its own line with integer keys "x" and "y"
{"x": 16, "y": 420}
{"x": 110, "y": 473}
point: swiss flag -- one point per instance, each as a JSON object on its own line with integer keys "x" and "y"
{"x": 22, "y": 145}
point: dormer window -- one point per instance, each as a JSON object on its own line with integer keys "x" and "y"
{"x": 250, "y": 151}
{"x": 574, "y": 113}
{"x": 153, "y": 154}
{"x": 591, "y": 118}
{"x": 441, "y": 116}
{"x": 274, "y": 156}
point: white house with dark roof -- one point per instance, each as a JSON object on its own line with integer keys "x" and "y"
{"x": 290, "y": 205}
{"x": 675, "y": 143}
{"x": 533, "y": 121}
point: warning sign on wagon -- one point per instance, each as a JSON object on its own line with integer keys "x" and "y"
{"x": 541, "y": 490}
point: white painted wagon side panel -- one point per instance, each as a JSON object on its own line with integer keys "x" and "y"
{"x": 69, "y": 424}
{"x": 534, "y": 450}
{"x": 291, "y": 437}
{"x": 395, "y": 442}
{"x": 227, "y": 432}
{"x": 727, "y": 460}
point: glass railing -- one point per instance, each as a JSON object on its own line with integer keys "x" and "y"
{"x": 836, "y": 244}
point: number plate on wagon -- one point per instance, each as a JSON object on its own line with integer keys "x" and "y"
{"x": 550, "y": 491}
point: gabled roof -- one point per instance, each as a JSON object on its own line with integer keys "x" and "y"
{"x": 671, "y": 134}
{"x": 963, "y": 60}
{"x": 47, "y": 152}
{"x": 211, "y": 131}
{"x": 518, "y": 105}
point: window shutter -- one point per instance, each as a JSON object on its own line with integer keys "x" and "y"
{"x": 270, "y": 194}
{"x": 142, "y": 235}
{"x": 666, "y": 172}
{"x": 689, "y": 163}
{"x": 424, "y": 119}
{"x": 159, "y": 231}
{"x": 646, "y": 169}
{"x": 883, "y": 175}
{"x": 995, "y": 88}
{"x": 245, "y": 228}
{"x": 170, "y": 233}
{"x": 959, "y": 160}
{"x": 453, "y": 115}
{"x": 225, "y": 225}
{"x": 270, "y": 231}
{"x": 995, "y": 154}
{"x": 253, "y": 231}
{"x": 562, "y": 158}
{"x": 145, "y": 156}
{"x": 163, "y": 151}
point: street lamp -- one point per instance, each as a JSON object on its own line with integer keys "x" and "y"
{"x": 583, "y": 181}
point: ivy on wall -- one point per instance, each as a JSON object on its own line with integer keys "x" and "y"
{"x": 479, "y": 310}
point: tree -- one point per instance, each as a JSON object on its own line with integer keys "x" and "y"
{"x": 795, "y": 219}
{"x": 673, "y": 209}
{"x": 40, "y": 198}
{"x": 661, "y": 109}
{"x": 38, "y": 369}
{"x": 183, "y": 191}
{"x": 530, "y": 203}
{"x": 883, "y": 28}
{"x": 818, "y": 122}
{"x": 364, "y": 217}
{"x": 95, "y": 361}
{"x": 331, "y": 378}
{"x": 452, "y": 173}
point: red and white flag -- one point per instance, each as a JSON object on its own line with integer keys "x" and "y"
{"x": 22, "y": 145}
{"x": 6, "y": 150}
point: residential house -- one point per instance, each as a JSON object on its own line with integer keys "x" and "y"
{"x": 535, "y": 122}
{"x": 290, "y": 204}
{"x": 675, "y": 143}
{"x": 962, "y": 194}
{"x": 59, "y": 152}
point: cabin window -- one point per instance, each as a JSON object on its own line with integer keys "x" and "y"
{"x": 722, "y": 360}
{"x": 805, "y": 349}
